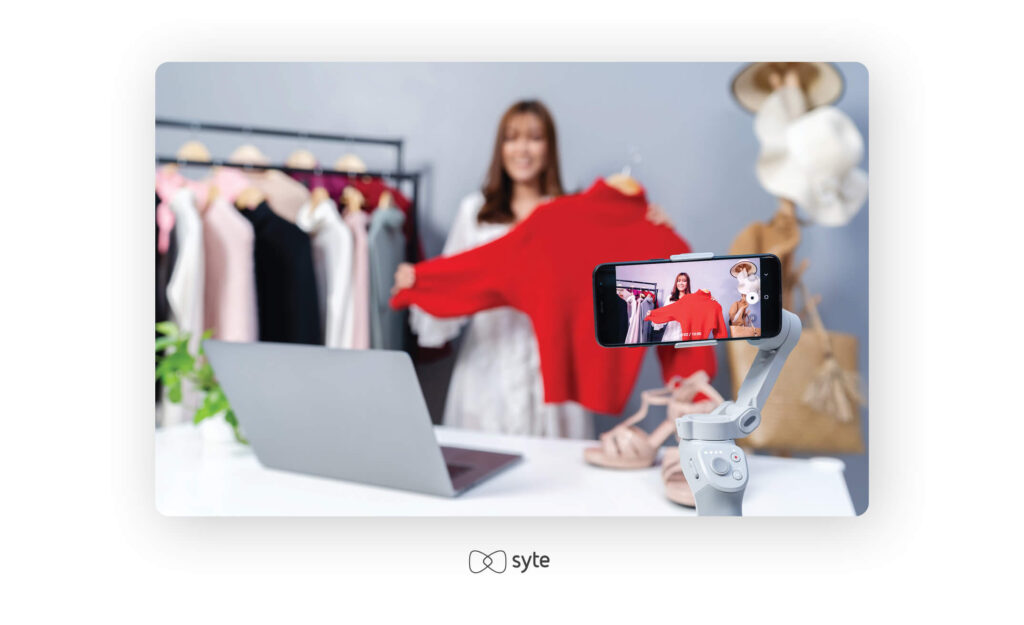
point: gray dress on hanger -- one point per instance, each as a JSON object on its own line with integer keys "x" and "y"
{"x": 387, "y": 250}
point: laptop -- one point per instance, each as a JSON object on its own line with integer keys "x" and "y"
{"x": 355, "y": 415}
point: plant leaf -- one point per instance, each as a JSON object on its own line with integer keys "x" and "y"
{"x": 174, "y": 391}
{"x": 164, "y": 342}
{"x": 167, "y": 328}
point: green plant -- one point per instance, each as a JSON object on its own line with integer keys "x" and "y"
{"x": 176, "y": 365}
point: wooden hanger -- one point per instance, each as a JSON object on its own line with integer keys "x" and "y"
{"x": 211, "y": 195}
{"x": 623, "y": 183}
{"x": 352, "y": 199}
{"x": 193, "y": 150}
{"x": 318, "y": 196}
{"x": 301, "y": 159}
{"x": 304, "y": 159}
{"x": 249, "y": 198}
{"x": 350, "y": 163}
{"x": 248, "y": 154}
{"x": 385, "y": 200}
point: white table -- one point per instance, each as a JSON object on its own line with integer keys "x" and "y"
{"x": 197, "y": 476}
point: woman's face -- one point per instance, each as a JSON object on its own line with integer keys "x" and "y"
{"x": 682, "y": 283}
{"x": 524, "y": 151}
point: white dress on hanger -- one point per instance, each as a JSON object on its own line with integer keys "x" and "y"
{"x": 673, "y": 331}
{"x": 633, "y": 333}
{"x": 186, "y": 286}
{"x": 333, "y": 250}
{"x": 496, "y": 385}
{"x": 185, "y": 291}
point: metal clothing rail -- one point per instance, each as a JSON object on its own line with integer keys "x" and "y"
{"x": 394, "y": 175}
{"x": 654, "y": 284}
{"x": 398, "y": 144}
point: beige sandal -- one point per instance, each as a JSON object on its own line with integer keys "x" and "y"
{"x": 628, "y": 447}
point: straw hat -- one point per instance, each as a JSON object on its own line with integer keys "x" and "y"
{"x": 821, "y": 83}
{"x": 743, "y": 265}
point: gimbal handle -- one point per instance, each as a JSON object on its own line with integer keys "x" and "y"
{"x": 715, "y": 468}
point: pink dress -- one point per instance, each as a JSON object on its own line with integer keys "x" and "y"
{"x": 229, "y": 302}
{"x": 357, "y": 221}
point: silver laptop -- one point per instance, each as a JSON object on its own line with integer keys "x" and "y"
{"x": 356, "y": 415}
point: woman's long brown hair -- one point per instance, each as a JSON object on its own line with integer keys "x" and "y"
{"x": 497, "y": 189}
{"x": 675, "y": 287}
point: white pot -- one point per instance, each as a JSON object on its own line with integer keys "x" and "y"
{"x": 216, "y": 431}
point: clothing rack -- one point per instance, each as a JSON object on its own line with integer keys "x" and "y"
{"x": 398, "y": 175}
{"x": 194, "y": 126}
{"x": 653, "y": 285}
{"x": 298, "y": 170}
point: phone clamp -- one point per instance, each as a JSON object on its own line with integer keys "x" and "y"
{"x": 714, "y": 466}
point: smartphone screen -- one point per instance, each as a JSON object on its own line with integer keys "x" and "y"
{"x": 664, "y": 301}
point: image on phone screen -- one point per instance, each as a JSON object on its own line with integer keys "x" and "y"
{"x": 657, "y": 302}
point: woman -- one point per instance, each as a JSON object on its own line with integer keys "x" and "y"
{"x": 674, "y": 332}
{"x": 496, "y": 384}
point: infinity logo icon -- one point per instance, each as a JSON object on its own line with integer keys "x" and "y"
{"x": 480, "y": 561}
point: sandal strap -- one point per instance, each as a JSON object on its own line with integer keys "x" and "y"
{"x": 625, "y": 443}
{"x": 625, "y": 440}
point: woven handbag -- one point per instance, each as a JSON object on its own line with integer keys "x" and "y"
{"x": 788, "y": 424}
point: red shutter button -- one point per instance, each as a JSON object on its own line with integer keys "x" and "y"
{"x": 735, "y": 457}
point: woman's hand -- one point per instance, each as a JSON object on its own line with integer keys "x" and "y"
{"x": 657, "y": 216}
{"x": 405, "y": 277}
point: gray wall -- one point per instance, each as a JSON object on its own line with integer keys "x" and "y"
{"x": 697, "y": 148}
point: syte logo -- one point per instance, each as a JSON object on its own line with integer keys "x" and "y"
{"x": 497, "y": 561}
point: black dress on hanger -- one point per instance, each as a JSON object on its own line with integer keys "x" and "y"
{"x": 286, "y": 295}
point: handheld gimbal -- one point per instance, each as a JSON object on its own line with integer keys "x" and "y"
{"x": 714, "y": 466}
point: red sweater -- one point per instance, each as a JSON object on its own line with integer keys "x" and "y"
{"x": 544, "y": 267}
{"x": 698, "y": 313}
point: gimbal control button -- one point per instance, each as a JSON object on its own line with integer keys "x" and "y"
{"x": 737, "y": 475}
{"x": 720, "y": 466}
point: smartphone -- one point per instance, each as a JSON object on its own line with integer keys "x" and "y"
{"x": 657, "y": 302}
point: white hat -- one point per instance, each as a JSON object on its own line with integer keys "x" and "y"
{"x": 811, "y": 158}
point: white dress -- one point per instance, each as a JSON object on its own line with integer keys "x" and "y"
{"x": 185, "y": 291}
{"x": 673, "y": 333}
{"x": 633, "y": 331}
{"x": 333, "y": 251}
{"x": 185, "y": 288}
{"x": 496, "y": 385}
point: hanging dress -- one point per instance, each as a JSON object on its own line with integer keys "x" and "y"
{"x": 673, "y": 331}
{"x": 229, "y": 303}
{"x": 185, "y": 288}
{"x": 333, "y": 254}
{"x": 496, "y": 385}
{"x": 358, "y": 222}
{"x": 633, "y": 333}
